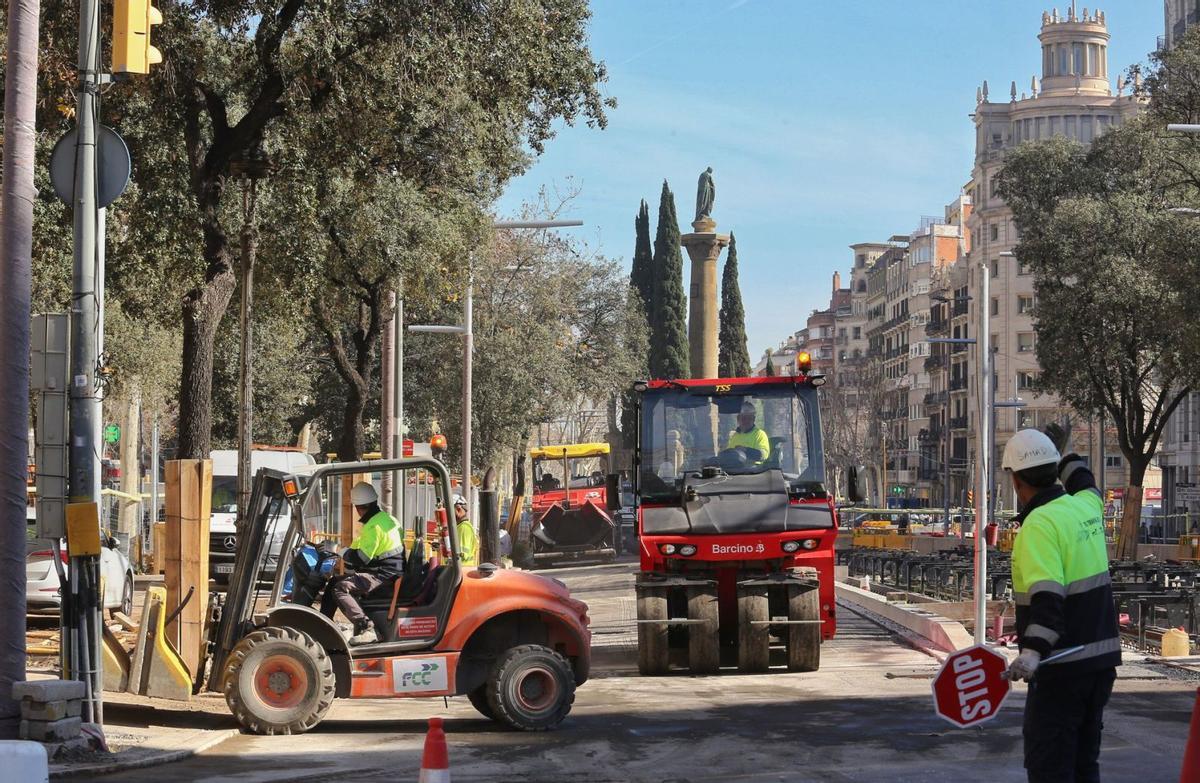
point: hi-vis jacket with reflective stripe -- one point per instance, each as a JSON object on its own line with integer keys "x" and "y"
{"x": 1061, "y": 579}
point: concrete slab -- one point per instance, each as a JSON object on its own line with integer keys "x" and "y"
{"x": 943, "y": 634}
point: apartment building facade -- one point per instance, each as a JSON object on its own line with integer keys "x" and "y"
{"x": 1073, "y": 99}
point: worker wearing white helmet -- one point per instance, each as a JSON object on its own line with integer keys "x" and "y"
{"x": 376, "y": 557}
{"x": 1064, "y": 600}
{"x": 468, "y": 544}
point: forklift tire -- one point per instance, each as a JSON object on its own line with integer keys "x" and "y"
{"x": 804, "y": 641}
{"x": 754, "y": 635}
{"x": 653, "y": 655}
{"x": 704, "y": 639}
{"x": 279, "y": 681}
{"x": 479, "y": 701}
{"x": 531, "y": 688}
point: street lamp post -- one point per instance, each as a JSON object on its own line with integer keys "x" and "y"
{"x": 466, "y": 331}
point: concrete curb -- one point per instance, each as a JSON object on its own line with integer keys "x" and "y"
{"x": 943, "y": 635}
{"x": 194, "y": 743}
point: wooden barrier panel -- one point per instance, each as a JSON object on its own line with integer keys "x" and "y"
{"x": 189, "y": 505}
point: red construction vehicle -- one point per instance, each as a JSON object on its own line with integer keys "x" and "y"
{"x": 569, "y": 505}
{"x": 736, "y": 527}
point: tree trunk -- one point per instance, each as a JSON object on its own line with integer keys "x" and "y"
{"x": 16, "y": 240}
{"x": 203, "y": 309}
{"x": 1131, "y": 514}
{"x": 351, "y": 443}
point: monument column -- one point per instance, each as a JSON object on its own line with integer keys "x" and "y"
{"x": 704, "y": 247}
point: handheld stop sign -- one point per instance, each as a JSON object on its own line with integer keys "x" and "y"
{"x": 970, "y": 688}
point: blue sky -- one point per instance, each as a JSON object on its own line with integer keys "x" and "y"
{"x": 826, "y": 123}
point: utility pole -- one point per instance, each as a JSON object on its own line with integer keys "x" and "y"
{"x": 468, "y": 356}
{"x": 985, "y": 451}
{"x": 81, "y": 605}
{"x": 398, "y": 392}
{"x": 251, "y": 168}
{"x": 387, "y": 402}
{"x": 16, "y": 240}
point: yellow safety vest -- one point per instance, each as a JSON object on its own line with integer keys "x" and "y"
{"x": 754, "y": 439}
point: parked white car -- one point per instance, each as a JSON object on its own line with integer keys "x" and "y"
{"x": 43, "y": 594}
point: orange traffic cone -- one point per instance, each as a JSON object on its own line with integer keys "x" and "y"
{"x": 435, "y": 762}
{"x": 1191, "y": 753}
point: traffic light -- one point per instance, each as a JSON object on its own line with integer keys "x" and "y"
{"x": 132, "y": 52}
{"x": 897, "y": 490}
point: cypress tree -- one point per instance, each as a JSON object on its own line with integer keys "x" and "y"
{"x": 733, "y": 358}
{"x": 641, "y": 276}
{"x": 769, "y": 370}
{"x": 668, "y": 312}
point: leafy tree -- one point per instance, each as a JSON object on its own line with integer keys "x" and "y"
{"x": 733, "y": 358}
{"x": 551, "y": 326}
{"x": 241, "y": 74}
{"x": 1115, "y": 314}
{"x": 668, "y": 314}
{"x": 641, "y": 275}
{"x": 769, "y": 367}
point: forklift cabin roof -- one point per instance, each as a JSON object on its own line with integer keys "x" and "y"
{"x": 572, "y": 451}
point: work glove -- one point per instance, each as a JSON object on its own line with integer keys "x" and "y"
{"x": 1058, "y": 435}
{"x": 1024, "y": 667}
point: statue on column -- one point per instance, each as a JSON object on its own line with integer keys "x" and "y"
{"x": 706, "y": 191}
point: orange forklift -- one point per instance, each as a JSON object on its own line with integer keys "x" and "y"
{"x": 515, "y": 644}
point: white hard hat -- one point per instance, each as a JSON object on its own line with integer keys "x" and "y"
{"x": 1029, "y": 449}
{"x": 363, "y": 494}
{"x": 459, "y": 500}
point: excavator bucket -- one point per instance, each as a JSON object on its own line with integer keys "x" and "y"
{"x": 578, "y": 533}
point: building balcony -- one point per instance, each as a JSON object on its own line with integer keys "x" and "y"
{"x": 959, "y": 308}
{"x": 936, "y": 327}
{"x": 958, "y": 384}
{"x": 935, "y": 363}
{"x": 930, "y": 435}
{"x": 928, "y": 473}
{"x": 907, "y": 476}
{"x": 936, "y": 398}
{"x": 958, "y": 423}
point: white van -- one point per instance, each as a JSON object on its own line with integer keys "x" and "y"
{"x": 222, "y": 546}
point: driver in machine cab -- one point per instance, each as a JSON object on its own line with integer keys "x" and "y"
{"x": 749, "y": 435}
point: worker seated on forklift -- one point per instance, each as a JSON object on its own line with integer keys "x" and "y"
{"x": 749, "y": 437}
{"x": 376, "y": 557}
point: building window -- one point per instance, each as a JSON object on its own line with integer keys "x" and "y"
{"x": 1024, "y": 304}
{"x": 994, "y": 231}
{"x": 995, "y": 306}
{"x": 1023, "y": 268}
{"x": 1071, "y": 132}
{"x": 1025, "y": 342}
{"x": 1077, "y": 51}
{"x": 1112, "y": 461}
{"x": 1026, "y": 379}
{"x": 1027, "y": 419}
{"x": 1085, "y": 129}
{"x": 1055, "y": 126}
{"x": 1064, "y": 61}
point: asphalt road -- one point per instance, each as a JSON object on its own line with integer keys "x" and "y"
{"x": 865, "y": 716}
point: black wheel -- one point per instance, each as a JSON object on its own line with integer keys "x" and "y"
{"x": 804, "y": 641}
{"x": 479, "y": 701}
{"x": 531, "y": 688}
{"x": 127, "y": 597}
{"x": 704, "y": 638}
{"x": 652, "y": 636}
{"x": 754, "y": 637}
{"x": 278, "y": 681}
